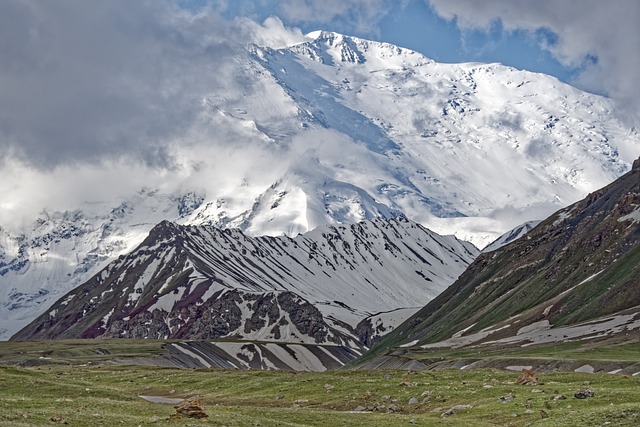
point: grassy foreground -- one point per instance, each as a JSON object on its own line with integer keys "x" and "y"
{"x": 108, "y": 395}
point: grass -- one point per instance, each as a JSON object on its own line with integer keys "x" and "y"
{"x": 594, "y": 350}
{"x": 108, "y": 395}
{"x": 77, "y": 351}
{"x": 79, "y": 382}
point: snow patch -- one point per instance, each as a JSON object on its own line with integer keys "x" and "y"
{"x": 634, "y": 216}
{"x": 587, "y": 369}
{"x": 519, "y": 368}
{"x": 542, "y": 325}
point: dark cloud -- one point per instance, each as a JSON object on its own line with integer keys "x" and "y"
{"x": 85, "y": 81}
{"x": 598, "y": 38}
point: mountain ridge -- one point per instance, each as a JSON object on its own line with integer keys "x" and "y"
{"x": 201, "y": 282}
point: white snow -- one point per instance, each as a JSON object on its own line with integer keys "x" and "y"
{"x": 542, "y": 325}
{"x": 634, "y": 216}
{"x": 188, "y": 352}
{"x": 519, "y": 368}
{"x": 461, "y": 332}
{"x": 462, "y": 341}
{"x": 167, "y": 301}
{"x": 105, "y": 319}
{"x": 587, "y": 369}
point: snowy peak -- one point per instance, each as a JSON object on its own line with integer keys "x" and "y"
{"x": 202, "y": 282}
{"x": 334, "y": 48}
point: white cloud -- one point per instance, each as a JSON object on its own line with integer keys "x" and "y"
{"x": 272, "y": 33}
{"x": 600, "y": 38}
{"x": 85, "y": 82}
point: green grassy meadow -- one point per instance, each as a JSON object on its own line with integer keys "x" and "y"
{"x": 84, "y": 383}
{"x": 108, "y": 396}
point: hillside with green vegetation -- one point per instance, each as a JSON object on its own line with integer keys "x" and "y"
{"x": 577, "y": 272}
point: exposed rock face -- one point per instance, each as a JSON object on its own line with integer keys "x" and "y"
{"x": 204, "y": 283}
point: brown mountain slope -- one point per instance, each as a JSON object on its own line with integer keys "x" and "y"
{"x": 576, "y": 276}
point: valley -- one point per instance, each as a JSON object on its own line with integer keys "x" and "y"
{"x": 236, "y": 214}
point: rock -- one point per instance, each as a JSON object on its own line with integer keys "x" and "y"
{"x": 547, "y": 405}
{"x": 360, "y": 408}
{"x": 328, "y": 387}
{"x": 300, "y": 401}
{"x": 559, "y": 397}
{"x": 413, "y": 401}
{"x": 59, "y": 419}
{"x": 508, "y": 398}
{"x": 279, "y": 397}
{"x": 544, "y": 414}
{"x": 407, "y": 383}
{"x": 584, "y": 394}
{"x": 394, "y": 408}
{"x": 529, "y": 412}
{"x": 413, "y": 421}
{"x": 527, "y": 377}
{"x": 388, "y": 376}
{"x": 189, "y": 408}
{"x": 455, "y": 409}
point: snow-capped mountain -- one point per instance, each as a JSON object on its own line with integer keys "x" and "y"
{"x": 333, "y": 131}
{"x": 206, "y": 283}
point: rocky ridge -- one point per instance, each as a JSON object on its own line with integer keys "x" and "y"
{"x": 200, "y": 282}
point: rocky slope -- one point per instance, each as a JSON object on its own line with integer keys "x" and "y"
{"x": 574, "y": 277}
{"x": 200, "y": 282}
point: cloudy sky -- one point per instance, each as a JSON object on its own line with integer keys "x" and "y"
{"x": 88, "y": 88}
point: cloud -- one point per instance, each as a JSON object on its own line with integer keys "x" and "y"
{"x": 599, "y": 39}
{"x": 271, "y": 33}
{"x": 84, "y": 82}
{"x": 99, "y": 100}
